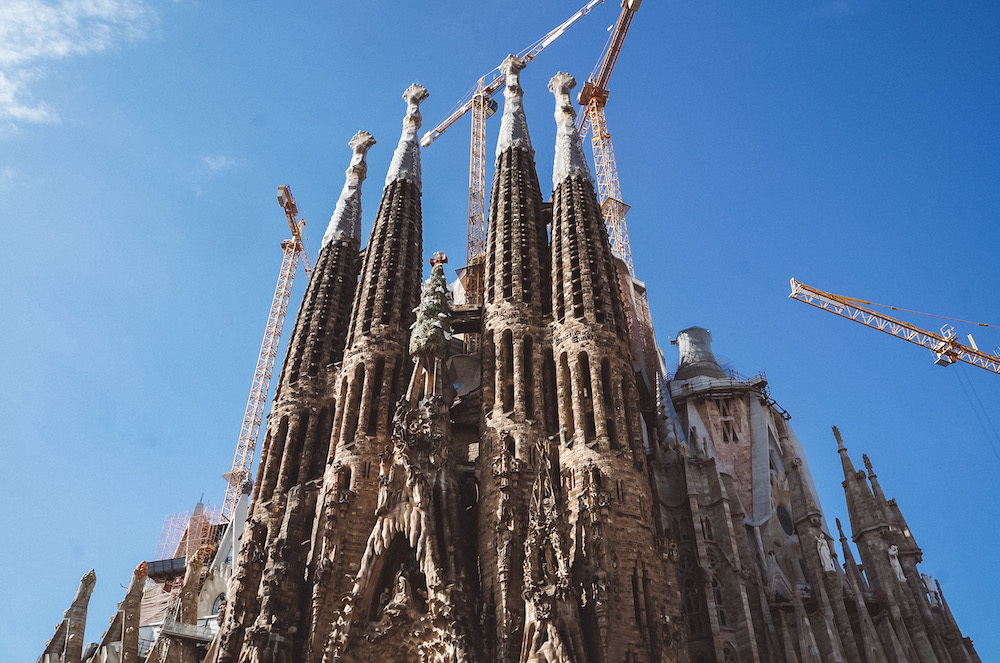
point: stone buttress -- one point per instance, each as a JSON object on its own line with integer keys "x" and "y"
{"x": 267, "y": 616}
{"x": 518, "y": 370}
{"x": 371, "y": 378}
{"x": 601, "y": 453}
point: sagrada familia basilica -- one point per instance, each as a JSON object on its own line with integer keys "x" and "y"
{"x": 556, "y": 497}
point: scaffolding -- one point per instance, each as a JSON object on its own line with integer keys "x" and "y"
{"x": 186, "y": 533}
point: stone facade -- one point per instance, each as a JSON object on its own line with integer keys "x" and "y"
{"x": 556, "y": 499}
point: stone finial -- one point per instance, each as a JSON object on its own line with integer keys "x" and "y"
{"x": 346, "y": 220}
{"x": 513, "y": 124}
{"x": 406, "y": 159}
{"x": 868, "y": 465}
{"x": 840, "y": 440}
{"x": 570, "y": 160}
{"x": 840, "y": 529}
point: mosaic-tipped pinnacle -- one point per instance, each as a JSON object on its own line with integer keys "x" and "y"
{"x": 560, "y": 85}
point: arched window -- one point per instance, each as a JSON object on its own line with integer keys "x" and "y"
{"x": 219, "y": 604}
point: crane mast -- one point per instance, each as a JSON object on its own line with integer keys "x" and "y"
{"x": 944, "y": 345}
{"x": 481, "y": 105}
{"x": 293, "y": 252}
{"x": 594, "y": 96}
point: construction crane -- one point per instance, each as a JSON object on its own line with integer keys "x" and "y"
{"x": 294, "y": 253}
{"x": 480, "y": 102}
{"x": 594, "y": 96}
{"x": 944, "y": 345}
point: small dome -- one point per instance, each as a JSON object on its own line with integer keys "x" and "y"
{"x": 695, "y": 347}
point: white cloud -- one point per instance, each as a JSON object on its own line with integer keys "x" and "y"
{"x": 218, "y": 163}
{"x": 36, "y": 32}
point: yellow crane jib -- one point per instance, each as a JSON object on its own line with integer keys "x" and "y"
{"x": 293, "y": 252}
{"x": 945, "y": 345}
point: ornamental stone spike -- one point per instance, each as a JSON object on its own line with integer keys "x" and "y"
{"x": 513, "y": 124}
{"x": 406, "y": 159}
{"x": 570, "y": 160}
{"x": 345, "y": 223}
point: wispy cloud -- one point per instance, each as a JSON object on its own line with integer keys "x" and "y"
{"x": 7, "y": 177}
{"x": 218, "y": 163}
{"x": 36, "y": 32}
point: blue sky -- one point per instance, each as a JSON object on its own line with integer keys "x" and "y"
{"x": 850, "y": 144}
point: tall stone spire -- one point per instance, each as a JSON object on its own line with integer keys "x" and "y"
{"x": 518, "y": 369}
{"x": 372, "y": 375}
{"x": 345, "y": 223}
{"x": 570, "y": 159}
{"x": 601, "y": 438}
{"x": 264, "y": 615}
{"x": 513, "y": 123}
{"x": 405, "y": 163}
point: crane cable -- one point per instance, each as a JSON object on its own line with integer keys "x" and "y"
{"x": 989, "y": 438}
{"x": 897, "y": 308}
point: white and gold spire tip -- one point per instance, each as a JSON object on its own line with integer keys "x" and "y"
{"x": 513, "y": 124}
{"x": 406, "y": 159}
{"x": 346, "y": 220}
{"x": 570, "y": 160}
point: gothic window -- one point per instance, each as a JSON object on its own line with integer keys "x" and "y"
{"x": 723, "y": 405}
{"x": 220, "y": 601}
{"x": 549, "y": 379}
{"x": 373, "y": 403}
{"x": 354, "y": 409}
{"x": 620, "y": 490}
{"x": 706, "y": 528}
{"x": 626, "y": 399}
{"x": 728, "y": 434}
{"x": 566, "y": 411}
{"x": 584, "y": 361}
{"x": 507, "y": 378}
{"x": 344, "y": 479}
{"x": 785, "y": 519}
{"x": 720, "y": 604}
{"x": 528, "y": 363}
{"x": 635, "y": 597}
{"x": 606, "y": 385}
{"x": 729, "y": 654}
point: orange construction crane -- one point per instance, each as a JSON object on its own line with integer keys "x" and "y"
{"x": 594, "y": 96}
{"x": 294, "y": 252}
{"x": 480, "y": 101}
{"x": 944, "y": 345}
